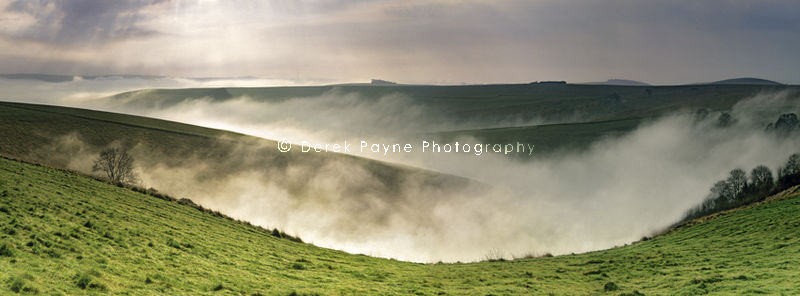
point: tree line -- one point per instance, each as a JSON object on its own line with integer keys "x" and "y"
{"x": 741, "y": 188}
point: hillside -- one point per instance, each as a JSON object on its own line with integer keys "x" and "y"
{"x": 746, "y": 81}
{"x": 619, "y": 82}
{"x": 492, "y": 102}
{"x": 36, "y": 133}
{"x": 577, "y": 114}
{"x": 552, "y": 138}
{"x": 65, "y": 234}
{"x": 246, "y": 177}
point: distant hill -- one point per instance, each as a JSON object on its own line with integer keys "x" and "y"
{"x": 748, "y": 81}
{"x": 499, "y": 113}
{"x": 382, "y": 82}
{"x": 621, "y": 82}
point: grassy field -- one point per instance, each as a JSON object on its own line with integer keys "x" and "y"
{"x": 66, "y": 234}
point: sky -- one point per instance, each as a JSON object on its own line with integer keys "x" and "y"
{"x": 436, "y": 42}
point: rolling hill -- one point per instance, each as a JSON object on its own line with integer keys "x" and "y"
{"x": 556, "y": 117}
{"x": 240, "y": 175}
{"x": 67, "y": 234}
{"x": 746, "y": 81}
{"x": 487, "y": 103}
{"x": 619, "y": 82}
{"x": 30, "y": 132}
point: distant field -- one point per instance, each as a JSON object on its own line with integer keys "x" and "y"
{"x": 65, "y": 234}
{"x": 473, "y": 102}
{"x": 555, "y": 117}
{"x": 552, "y": 138}
{"x": 479, "y": 102}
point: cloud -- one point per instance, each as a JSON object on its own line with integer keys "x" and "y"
{"x": 438, "y": 41}
{"x": 71, "y": 22}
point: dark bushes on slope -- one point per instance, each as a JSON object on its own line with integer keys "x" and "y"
{"x": 739, "y": 189}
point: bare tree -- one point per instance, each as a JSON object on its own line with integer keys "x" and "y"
{"x": 737, "y": 180}
{"x": 789, "y": 175}
{"x": 792, "y": 165}
{"x": 117, "y": 165}
{"x": 761, "y": 179}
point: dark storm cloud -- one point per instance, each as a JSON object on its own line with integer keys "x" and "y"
{"x": 77, "y": 21}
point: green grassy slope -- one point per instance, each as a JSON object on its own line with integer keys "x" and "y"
{"x": 25, "y": 127}
{"x": 66, "y": 234}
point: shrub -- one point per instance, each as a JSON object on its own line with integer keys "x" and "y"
{"x": 610, "y": 286}
{"x": 494, "y": 255}
{"x": 280, "y": 234}
{"x": 16, "y": 284}
{"x": 172, "y": 243}
{"x": 20, "y": 284}
{"x": 82, "y": 280}
{"x": 295, "y": 293}
{"x": 86, "y": 280}
{"x": 52, "y": 253}
{"x": 5, "y": 251}
{"x": 789, "y": 174}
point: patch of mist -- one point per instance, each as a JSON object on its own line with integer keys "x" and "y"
{"x": 765, "y": 108}
{"x": 68, "y": 151}
{"x": 335, "y": 202}
{"x": 613, "y": 193}
{"x": 333, "y": 117}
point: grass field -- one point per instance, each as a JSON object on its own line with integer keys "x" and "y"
{"x": 66, "y": 234}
